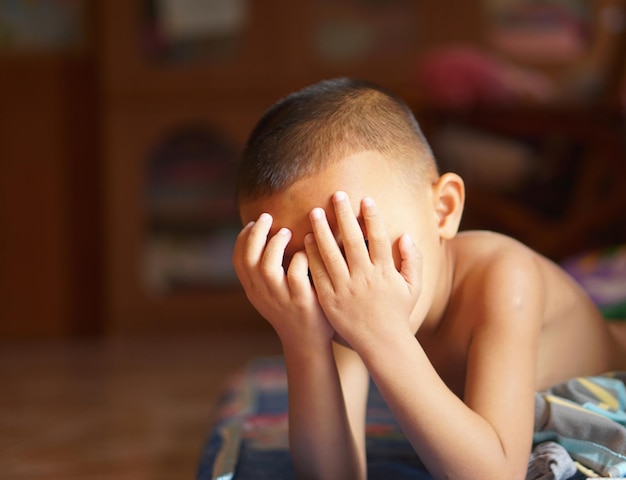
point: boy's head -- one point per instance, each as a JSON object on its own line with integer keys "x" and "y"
{"x": 324, "y": 123}
{"x": 347, "y": 135}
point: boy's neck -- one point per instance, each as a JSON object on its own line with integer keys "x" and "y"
{"x": 437, "y": 312}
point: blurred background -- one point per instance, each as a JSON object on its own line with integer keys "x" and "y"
{"x": 121, "y": 122}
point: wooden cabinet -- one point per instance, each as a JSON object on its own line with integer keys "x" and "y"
{"x": 77, "y": 131}
{"x": 131, "y": 132}
{"x": 49, "y": 231}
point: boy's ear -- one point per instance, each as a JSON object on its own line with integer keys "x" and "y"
{"x": 449, "y": 198}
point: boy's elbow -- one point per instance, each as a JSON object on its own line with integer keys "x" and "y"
{"x": 486, "y": 467}
{"x": 506, "y": 469}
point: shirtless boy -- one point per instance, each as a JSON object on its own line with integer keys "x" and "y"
{"x": 351, "y": 252}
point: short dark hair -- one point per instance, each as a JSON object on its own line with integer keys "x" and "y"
{"x": 325, "y": 122}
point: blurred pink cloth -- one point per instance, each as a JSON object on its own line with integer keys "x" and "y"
{"x": 463, "y": 76}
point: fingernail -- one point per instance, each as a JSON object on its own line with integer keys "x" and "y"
{"x": 317, "y": 213}
{"x": 265, "y": 217}
{"x": 309, "y": 238}
{"x": 339, "y": 196}
{"x": 284, "y": 231}
{"x": 368, "y": 202}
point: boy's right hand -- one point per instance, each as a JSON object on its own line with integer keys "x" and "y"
{"x": 286, "y": 300}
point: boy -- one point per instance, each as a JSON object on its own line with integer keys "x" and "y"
{"x": 351, "y": 252}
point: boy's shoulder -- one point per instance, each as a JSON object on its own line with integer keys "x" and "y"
{"x": 487, "y": 258}
{"x": 485, "y": 247}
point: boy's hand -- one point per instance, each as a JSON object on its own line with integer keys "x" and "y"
{"x": 363, "y": 295}
{"x": 286, "y": 300}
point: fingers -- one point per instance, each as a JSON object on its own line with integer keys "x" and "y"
{"x": 238, "y": 254}
{"x": 351, "y": 234}
{"x": 352, "y": 237}
{"x": 323, "y": 251}
{"x": 272, "y": 261}
{"x": 410, "y": 261}
{"x": 298, "y": 275}
{"x": 254, "y": 246}
{"x": 380, "y": 251}
{"x": 254, "y": 253}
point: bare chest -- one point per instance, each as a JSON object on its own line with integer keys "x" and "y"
{"x": 448, "y": 355}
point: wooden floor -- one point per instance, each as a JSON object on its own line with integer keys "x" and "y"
{"x": 119, "y": 409}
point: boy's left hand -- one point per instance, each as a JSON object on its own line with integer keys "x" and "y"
{"x": 364, "y": 296}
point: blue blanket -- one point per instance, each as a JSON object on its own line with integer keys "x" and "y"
{"x": 250, "y": 440}
{"x": 579, "y": 431}
{"x": 587, "y": 417}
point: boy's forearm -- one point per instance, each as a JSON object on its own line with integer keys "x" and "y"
{"x": 452, "y": 440}
{"x": 321, "y": 442}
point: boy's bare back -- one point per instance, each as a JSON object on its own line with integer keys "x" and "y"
{"x": 574, "y": 339}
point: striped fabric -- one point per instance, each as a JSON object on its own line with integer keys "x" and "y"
{"x": 587, "y": 417}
